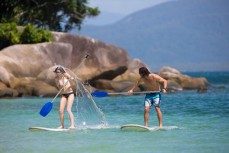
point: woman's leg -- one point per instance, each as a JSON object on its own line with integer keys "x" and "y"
{"x": 69, "y": 110}
{"x": 63, "y": 101}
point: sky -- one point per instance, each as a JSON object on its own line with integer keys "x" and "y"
{"x": 112, "y": 11}
{"x": 123, "y": 7}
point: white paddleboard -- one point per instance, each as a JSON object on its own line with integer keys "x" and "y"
{"x": 134, "y": 127}
{"x": 46, "y": 129}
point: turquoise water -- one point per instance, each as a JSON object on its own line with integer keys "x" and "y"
{"x": 202, "y": 122}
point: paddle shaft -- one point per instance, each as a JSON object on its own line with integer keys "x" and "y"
{"x": 57, "y": 94}
{"x": 86, "y": 56}
{"x": 105, "y": 94}
{"x": 127, "y": 93}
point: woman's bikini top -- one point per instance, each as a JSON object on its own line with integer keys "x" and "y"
{"x": 66, "y": 83}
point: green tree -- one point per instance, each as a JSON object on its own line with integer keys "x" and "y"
{"x": 9, "y": 35}
{"x": 57, "y": 15}
{"x": 30, "y": 34}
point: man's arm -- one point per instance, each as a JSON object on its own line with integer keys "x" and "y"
{"x": 162, "y": 81}
{"x": 134, "y": 86}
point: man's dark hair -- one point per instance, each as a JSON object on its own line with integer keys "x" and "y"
{"x": 143, "y": 71}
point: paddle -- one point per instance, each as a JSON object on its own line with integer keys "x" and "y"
{"x": 101, "y": 94}
{"x": 48, "y": 106}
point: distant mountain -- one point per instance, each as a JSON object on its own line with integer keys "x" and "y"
{"x": 189, "y": 35}
{"x": 104, "y": 18}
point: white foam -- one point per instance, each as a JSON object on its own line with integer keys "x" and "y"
{"x": 97, "y": 127}
{"x": 155, "y": 128}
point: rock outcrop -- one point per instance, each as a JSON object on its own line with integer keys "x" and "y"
{"x": 25, "y": 69}
{"x": 7, "y": 92}
{"x": 178, "y": 81}
{"x": 103, "y": 57}
{"x": 29, "y": 60}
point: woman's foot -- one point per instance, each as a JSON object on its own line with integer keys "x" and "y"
{"x": 71, "y": 127}
{"x": 60, "y": 127}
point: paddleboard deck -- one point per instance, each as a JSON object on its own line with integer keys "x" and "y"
{"x": 46, "y": 129}
{"x": 134, "y": 127}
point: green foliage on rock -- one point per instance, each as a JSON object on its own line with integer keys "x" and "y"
{"x": 31, "y": 34}
{"x": 9, "y": 35}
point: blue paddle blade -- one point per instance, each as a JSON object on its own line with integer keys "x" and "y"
{"x": 99, "y": 94}
{"x": 46, "y": 109}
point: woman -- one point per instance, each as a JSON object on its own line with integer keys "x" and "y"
{"x": 67, "y": 97}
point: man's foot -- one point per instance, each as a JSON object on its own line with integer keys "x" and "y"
{"x": 60, "y": 127}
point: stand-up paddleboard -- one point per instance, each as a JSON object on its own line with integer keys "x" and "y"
{"x": 134, "y": 127}
{"x": 46, "y": 129}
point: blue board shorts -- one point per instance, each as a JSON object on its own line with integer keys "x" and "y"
{"x": 153, "y": 99}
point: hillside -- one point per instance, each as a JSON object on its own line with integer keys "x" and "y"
{"x": 189, "y": 35}
{"x": 104, "y": 18}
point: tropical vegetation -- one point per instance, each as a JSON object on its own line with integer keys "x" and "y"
{"x": 56, "y": 15}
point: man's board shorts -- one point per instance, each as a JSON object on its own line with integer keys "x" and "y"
{"x": 153, "y": 99}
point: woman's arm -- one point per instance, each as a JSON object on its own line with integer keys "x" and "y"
{"x": 68, "y": 76}
{"x": 57, "y": 83}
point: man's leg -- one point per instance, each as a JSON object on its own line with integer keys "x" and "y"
{"x": 146, "y": 115}
{"x": 159, "y": 116}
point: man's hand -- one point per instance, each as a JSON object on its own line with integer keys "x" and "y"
{"x": 164, "y": 90}
{"x": 130, "y": 91}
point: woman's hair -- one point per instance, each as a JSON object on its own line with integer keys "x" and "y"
{"x": 59, "y": 69}
{"x": 143, "y": 71}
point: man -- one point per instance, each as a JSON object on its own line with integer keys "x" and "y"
{"x": 153, "y": 83}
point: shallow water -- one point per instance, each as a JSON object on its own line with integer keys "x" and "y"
{"x": 201, "y": 121}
